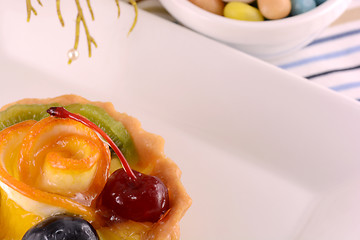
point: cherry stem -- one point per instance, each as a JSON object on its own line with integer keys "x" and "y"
{"x": 61, "y": 112}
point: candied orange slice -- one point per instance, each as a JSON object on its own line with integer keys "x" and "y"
{"x": 58, "y": 162}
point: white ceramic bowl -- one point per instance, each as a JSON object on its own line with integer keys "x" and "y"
{"x": 266, "y": 40}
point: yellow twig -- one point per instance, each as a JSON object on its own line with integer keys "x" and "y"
{"x": 80, "y": 20}
{"x": 29, "y": 9}
{"x": 133, "y": 2}
{"x": 90, "y": 39}
{"x": 77, "y": 35}
{"x": 118, "y": 7}
{"x": 59, "y": 13}
{"x": 77, "y": 32}
{"x": 90, "y": 9}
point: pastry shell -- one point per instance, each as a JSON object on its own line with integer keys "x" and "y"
{"x": 150, "y": 149}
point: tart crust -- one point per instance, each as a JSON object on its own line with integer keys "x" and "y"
{"x": 150, "y": 148}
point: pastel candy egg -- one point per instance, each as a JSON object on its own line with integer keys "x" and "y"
{"x": 242, "y": 11}
{"x": 274, "y": 9}
{"x": 244, "y": 1}
{"x": 214, "y": 6}
{"x": 301, "y": 6}
{"x": 318, "y": 2}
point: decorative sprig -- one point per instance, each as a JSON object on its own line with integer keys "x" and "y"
{"x": 133, "y": 2}
{"x": 30, "y": 9}
{"x": 80, "y": 20}
{"x": 58, "y": 10}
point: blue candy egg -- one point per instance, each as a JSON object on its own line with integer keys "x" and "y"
{"x": 301, "y": 6}
{"x": 318, "y": 2}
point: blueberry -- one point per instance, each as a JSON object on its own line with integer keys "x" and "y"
{"x": 62, "y": 227}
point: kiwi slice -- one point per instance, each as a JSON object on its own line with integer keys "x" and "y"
{"x": 114, "y": 129}
{"x": 21, "y": 112}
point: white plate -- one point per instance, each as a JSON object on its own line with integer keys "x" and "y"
{"x": 265, "y": 155}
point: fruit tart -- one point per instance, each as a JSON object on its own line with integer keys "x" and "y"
{"x": 75, "y": 169}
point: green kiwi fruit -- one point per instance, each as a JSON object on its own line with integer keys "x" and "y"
{"x": 21, "y": 112}
{"x": 114, "y": 129}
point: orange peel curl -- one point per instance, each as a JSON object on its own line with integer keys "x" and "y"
{"x": 33, "y": 151}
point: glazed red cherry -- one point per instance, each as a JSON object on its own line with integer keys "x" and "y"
{"x": 144, "y": 200}
{"x": 127, "y": 194}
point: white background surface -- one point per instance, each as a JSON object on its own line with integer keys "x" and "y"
{"x": 265, "y": 155}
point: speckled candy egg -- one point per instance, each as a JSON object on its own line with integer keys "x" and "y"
{"x": 301, "y": 6}
{"x": 318, "y": 2}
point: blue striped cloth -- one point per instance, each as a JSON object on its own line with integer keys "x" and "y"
{"x": 331, "y": 60}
